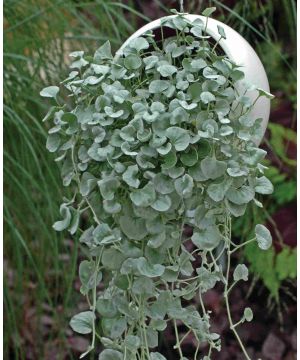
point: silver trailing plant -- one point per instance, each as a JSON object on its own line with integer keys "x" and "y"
{"x": 149, "y": 142}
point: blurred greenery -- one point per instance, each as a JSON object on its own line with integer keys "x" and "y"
{"x": 40, "y": 265}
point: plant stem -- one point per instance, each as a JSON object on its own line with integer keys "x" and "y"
{"x": 217, "y": 43}
{"x": 177, "y": 340}
{"x": 181, "y": 6}
{"x": 95, "y": 298}
{"x": 226, "y": 293}
{"x": 241, "y": 245}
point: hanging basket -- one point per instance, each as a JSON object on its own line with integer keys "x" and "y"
{"x": 236, "y": 49}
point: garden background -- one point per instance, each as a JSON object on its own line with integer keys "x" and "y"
{"x": 40, "y": 266}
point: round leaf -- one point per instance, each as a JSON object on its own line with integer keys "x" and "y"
{"x": 248, "y": 314}
{"x": 213, "y": 168}
{"x": 263, "y": 186}
{"x": 133, "y": 228}
{"x": 50, "y": 91}
{"x": 179, "y": 138}
{"x": 207, "y": 239}
{"x": 241, "y": 273}
{"x": 130, "y": 176}
{"x": 82, "y": 323}
{"x": 110, "y": 354}
{"x": 263, "y": 237}
{"x": 132, "y": 62}
{"x": 167, "y": 70}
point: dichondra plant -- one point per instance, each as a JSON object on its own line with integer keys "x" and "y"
{"x": 150, "y": 142}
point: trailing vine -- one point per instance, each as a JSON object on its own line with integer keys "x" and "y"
{"x": 151, "y": 141}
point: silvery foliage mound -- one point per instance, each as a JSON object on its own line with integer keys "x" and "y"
{"x": 156, "y": 139}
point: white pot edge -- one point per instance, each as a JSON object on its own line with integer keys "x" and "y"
{"x": 238, "y": 50}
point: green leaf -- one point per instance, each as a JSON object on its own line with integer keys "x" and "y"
{"x": 152, "y": 337}
{"x": 87, "y": 183}
{"x": 111, "y": 206}
{"x": 179, "y": 22}
{"x": 114, "y": 328}
{"x": 207, "y": 97}
{"x": 139, "y": 44}
{"x": 103, "y": 235}
{"x": 240, "y": 196}
{"x": 143, "y": 286}
{"x": 236, "y": 210}
{"x": 82, "y": 323}
{"x": 145, "y": 196}
{"x": 167, "y": 70}
{"x": 197, "y": 31}
{"x": 133, "y": 228}
{"x": 162, "y": 203}
{"x": 189, "y": 158}
{"x": 132, "y": 62}
{"x": 150, "y": 61}
{"x": 195, "y": 91}
{"x": 130, "y": 176}
{"x": 207, "y": 278}
{"x": 112, "y": 258}
{"x": 237, "y": 75}
{"x": 184, "y": 185}
{"x": 88, "y": 276}
{"x": 149, "y": 270}
{"x": 75, "y": 221}
{"x": 210, "y": 73}
{"x": 132, "y": 342}
{"x": 113, "y": 114}
{"x": 110, "y": 354}
{"x": 170, "y": 160}
{"x": 163, "y": 184}
{"x": 222, "y": 107}
{"x": 128, "y": 133}
{"x": 207, "y": 239}
{"x": 265, "y": 93}
{"x": 208, "y": 11}
{"x": 66, "y": 214}
{"x": 197, "y": 173}
{"x": 213, "y": 168}
{"x": 221, "y": 31}
{"x": 158, "y": 86}
{"x": 155, "y": 225}
{"x": 104, "y": 52}
{"x": 106, "y": 308}
{"x": 226, "y": 130}
{"x": 217, "y": 191}
{"x": 241, "y": 273}
{"x": 50, "y": 91}
{"x": 263, "y": 186}
{"x": 156, "y": 240}
{"x": 248, "y": 314}
{"x": 179, "y": 137}
{"x": 198, "y": 64}
{"x": 53, "y": 142}
{"x": 263, "y": 237}
{"x": 108, "y": 187}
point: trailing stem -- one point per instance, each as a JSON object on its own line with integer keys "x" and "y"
{"x": 227, "y": 288}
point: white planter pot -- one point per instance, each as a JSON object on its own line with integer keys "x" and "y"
{"x": 239, "y": 51}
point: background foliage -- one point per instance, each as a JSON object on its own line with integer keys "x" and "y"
{"x": 40, "y": 265}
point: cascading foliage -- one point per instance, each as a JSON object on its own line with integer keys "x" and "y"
{"x": 156, "y": 139}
